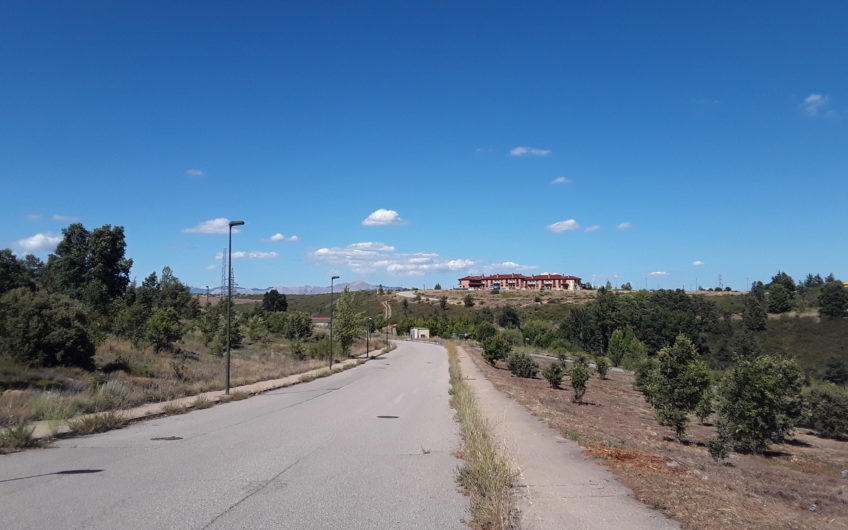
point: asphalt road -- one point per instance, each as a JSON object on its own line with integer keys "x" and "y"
{"x": 315, "y": 455}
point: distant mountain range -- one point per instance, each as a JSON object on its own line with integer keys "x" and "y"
{"x": 358, "y": 285}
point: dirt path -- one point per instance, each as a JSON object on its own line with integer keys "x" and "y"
{"x": 387, "y": 310}
{"x": 558, "y": 486}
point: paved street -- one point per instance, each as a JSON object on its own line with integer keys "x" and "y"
{"x": 314, "y": 455}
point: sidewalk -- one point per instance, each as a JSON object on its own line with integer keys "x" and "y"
{"x": 558, "y": 486}
{"x": 43, "y": 430}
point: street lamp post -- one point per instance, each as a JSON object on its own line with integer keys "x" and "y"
{"x": 332, "y": 279}
{"x": 367, "y": 337}
{"x": 230, "y": 297}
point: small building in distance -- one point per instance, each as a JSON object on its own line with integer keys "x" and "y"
{"x": 419, "y": 333}
{"x": 520, "y": 282}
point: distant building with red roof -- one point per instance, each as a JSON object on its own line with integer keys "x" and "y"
{"x": 520, "y": 282}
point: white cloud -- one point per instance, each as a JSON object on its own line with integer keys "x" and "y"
{"x": 241, "y": 254}
{"x": 562, "y": 226}
{"x": 625, "y": 225}
{"x": 561, "y": 180}
{"x": 508, "y": 266}
{"x": 32, "y": 217}
{"x": 532, "y": 151}
{"x": 658, "y": 273}
{"x": 194, "y": 172}
{"x": 382, "y": 217}
{"x": 39, "y": 242}
{"x": 593, "y": 228}
{"x": 58, "y": 217}
{"x": 697, "y": 263}
{"x": 210, "y": 267}
{"x": 370, "y": 256}
{"x": 814, "y": 103}
{"x": 280, "y": 237}
{"x": 218, "y": 225}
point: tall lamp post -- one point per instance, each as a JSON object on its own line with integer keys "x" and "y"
{"x": 230, "y": 297}
{"x": 332, "y": 279}
{"x": 367, "y": 337}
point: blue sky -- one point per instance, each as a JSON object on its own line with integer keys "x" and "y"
{"x": 656, "y": 143}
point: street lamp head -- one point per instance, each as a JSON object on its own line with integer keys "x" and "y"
{"x": 236, "y": 223}
{"x": 334, "y": 277}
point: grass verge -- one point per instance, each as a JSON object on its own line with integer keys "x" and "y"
{"x": 95, "y": 423}
{"x": 16, "y": 438}
{"x": 487, "y": 475}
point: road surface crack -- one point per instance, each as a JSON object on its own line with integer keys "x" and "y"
{"x": 252, "y": 493}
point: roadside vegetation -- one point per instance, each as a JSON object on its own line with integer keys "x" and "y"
{"x": 487, "y": 475}
{"x": 77, "y": 336}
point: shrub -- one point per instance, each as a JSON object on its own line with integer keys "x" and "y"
{"x": 45, "y": 329}
{"x": 95, "y": 423}
{"x": 602, "y": 366}
{"x": 554, "y": 374}
{"x": 705, "y": 407}
{"x": 579, "y": 375}
{"x": 827, "y": 410}
{"x": 468, "y": 300}
{"x": 758, "y": 403}
{"x": 676, "y": 384}
{"x": 495, "y": 348}
{"x": 163, "y": 329}
{"x": 17, "y": 437}
{"x": 522, "y": 365}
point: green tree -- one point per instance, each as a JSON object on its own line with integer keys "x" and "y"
{"x": 405, "y": 306}
{"x": 495, "y": 348}
{"x": 209, "y": 323}
{"x": 380, "y": 289}
{"x": 833, "y": 300}
{"x": 256, "y": 328}
{"x": 45, "y": 329}
{"x": 779, "y": 298}
{"x": 828, "y": 411}
{"x": 273, "y": 301}
{"x": 347, "y": 322}
{"x": 522, "y": 365}
{"x": 602, "y": 366}
{"x": 484, "y": 330}
{"x": 579, "y": 375}
{"x": 781, "y": 278}
{"x": 677, "y": 383}
{"x": 836, "y": 371}
{"x": 443, "y": 302}
{"x": 437, "y": 287}
{"x": 554, "y": 374}
{"x": 509, "y": 318}
{"x": 624, "y": 348}
{"x": 164, "y": 329}
{"x": 13, "y": 272}
{"x": 626, "y": 286}
{"x": 759, "y": 403}
{"x": 754, "y": 316}
{"x": 298, "y": 326}
{"x": 90, "y": 266}
{"x": 468, "y": 300}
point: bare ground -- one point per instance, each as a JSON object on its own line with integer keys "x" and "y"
{"x": 795, "y": 485}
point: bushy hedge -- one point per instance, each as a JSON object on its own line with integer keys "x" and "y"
{"x": 45, "y": 329}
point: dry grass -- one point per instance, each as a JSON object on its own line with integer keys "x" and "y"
{"x": 94, "y": 423}
{"x": 487, "y": 475}
{"x": 796, "y": 485}
{"x": 238, "y": 395}
{"x": 16, "y": 438}
{"x": 130, "y": 377}
{"x": 202, "y": 402}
